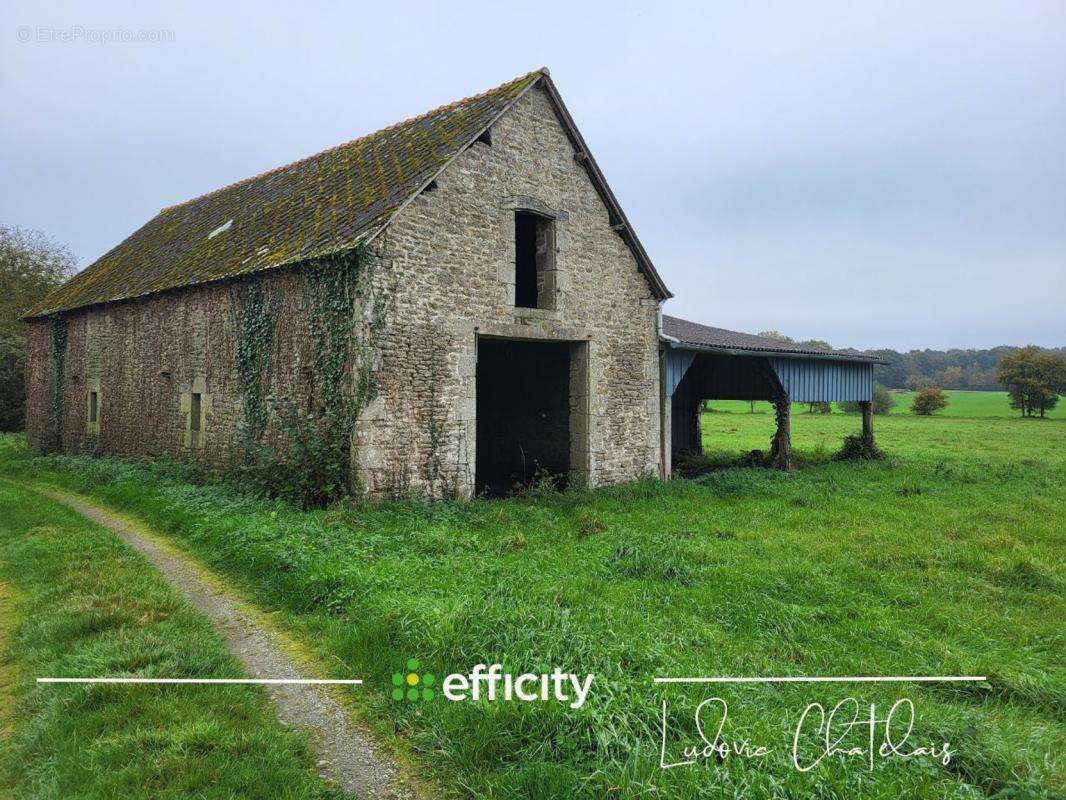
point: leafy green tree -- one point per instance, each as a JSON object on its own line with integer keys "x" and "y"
{"x": 1034, "y": 379}
{"x": 929, "y": 400}
{"x": 31, "y": 264}
{"x": 951, "y": 377}
{"x": 12, "y": 382}
{"x": 982, "y": 379}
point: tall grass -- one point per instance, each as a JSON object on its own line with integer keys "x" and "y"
{"x": 75, "y": 602}
{"x": 947, "y": 558}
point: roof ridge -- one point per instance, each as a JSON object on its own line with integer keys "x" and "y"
{"x": 542, "y": 71}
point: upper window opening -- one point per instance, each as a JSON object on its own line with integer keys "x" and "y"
{"x": 485, "y": 137}
{"x": 534, "y": 238}
{"x": 94, "y": 406}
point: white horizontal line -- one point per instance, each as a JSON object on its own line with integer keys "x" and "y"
{"x": 831, "y": 679}
{"x": 272, "y": 681}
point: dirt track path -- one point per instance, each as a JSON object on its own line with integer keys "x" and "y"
{"x": 346, "y": 755}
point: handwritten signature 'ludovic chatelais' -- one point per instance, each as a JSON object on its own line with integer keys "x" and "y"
{"x": 849, "y": 729}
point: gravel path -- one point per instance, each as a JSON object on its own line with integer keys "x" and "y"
{"x": 345, "y": 754}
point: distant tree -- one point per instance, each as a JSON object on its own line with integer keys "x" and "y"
{"x": 820, "y": 408}
{"x": 776, "y": 335}
{"x": 978, "y": 366}
{"x": 929, "y": 400}
{"x": 31, "y": 265}
{"x": 1034, "y": 379}
{"x": 950, "y": 377}
{"x": 982, "y": 379}
{"x": 815, "y": 344}
{"x": 916, "y": 381}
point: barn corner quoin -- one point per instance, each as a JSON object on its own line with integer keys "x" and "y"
{"x": 459, "y": 298}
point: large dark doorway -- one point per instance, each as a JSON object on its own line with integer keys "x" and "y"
{"x": 523, "y": 414}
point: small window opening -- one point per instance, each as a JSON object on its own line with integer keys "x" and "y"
{"x": 196, "y": 415}
{"x": 534, "y": 261}
{"x": 485, "y": 137}
{"x": 94, "y": 407}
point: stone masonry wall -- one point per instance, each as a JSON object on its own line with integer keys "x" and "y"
{"x": 448, "y": 259}
{"x": 146, "y": 357}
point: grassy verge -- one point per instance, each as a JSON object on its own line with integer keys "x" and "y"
{"x": 74, "y": 601}
{"x": 947, "y": 559}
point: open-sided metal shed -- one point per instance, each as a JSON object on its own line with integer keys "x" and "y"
{"x": 700, "y": 363}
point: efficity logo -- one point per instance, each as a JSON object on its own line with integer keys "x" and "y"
{"x": 491, "y": 683}
{"x": 412, "y": 685}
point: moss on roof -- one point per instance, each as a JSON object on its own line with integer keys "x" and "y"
{"x": 324, "y": 203}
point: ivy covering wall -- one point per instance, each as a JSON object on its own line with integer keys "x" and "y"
{"x": 253, "y": 310}
{"x": 311, "y": 463}
{"x": 60, "y": 335}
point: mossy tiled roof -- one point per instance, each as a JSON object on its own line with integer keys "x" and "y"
{"x": 321, "y": 204}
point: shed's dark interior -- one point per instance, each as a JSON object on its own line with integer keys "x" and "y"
{"x": 523, "y": 413}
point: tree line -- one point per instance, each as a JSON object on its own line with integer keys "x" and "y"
{"x": 947, "y": 369}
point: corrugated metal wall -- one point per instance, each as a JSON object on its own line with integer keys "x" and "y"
{"x": 677, "y": 364}
{"x": 820, "y": 380}
{"x": 807, "y": 380}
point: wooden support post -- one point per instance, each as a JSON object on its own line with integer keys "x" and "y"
{"x": 781, "y": 447}
{"x": 867, "y": 408}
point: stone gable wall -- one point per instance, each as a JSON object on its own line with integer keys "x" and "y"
{"x": 450, "y": 255}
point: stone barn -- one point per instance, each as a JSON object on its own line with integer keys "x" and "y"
{"x": 464, "y": 283}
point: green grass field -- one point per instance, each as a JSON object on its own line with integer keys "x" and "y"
{"x": 74, "y": 601}
{"x": 961, "y": 403}
{"x": 946, "y": 558}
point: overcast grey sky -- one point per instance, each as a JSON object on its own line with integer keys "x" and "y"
{"x": 871, "y": 173}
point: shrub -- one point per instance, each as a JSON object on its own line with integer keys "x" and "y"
{"x": 309, "y": 468}
{"x": 859, "y": 448}
{"x": 929, "y": 400}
